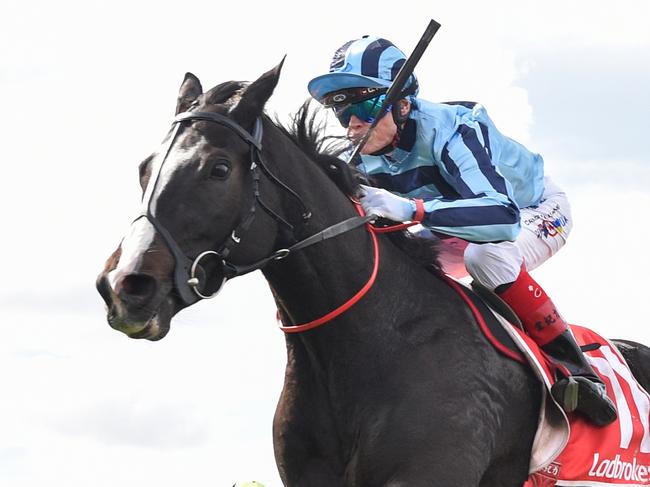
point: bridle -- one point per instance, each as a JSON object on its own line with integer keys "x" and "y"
{"x": 187, "y": 271}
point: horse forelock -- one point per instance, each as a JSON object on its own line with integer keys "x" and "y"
{"x": 226, "y": 95}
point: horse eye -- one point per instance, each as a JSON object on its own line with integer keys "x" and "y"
{"x": 220, "y": 170}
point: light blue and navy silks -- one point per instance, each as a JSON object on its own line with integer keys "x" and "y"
{"x": 472, "y": 178}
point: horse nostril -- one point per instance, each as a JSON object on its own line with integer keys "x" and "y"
{"x": 136, "y": 286}
{"x": 104, "y": 289}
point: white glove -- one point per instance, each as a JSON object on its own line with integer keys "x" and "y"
{"x": 385, "y": 204}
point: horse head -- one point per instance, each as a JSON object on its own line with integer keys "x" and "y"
{"x": 199, "y": 198}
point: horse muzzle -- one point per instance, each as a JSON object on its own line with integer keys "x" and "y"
{"x": 133, "y": 309}
{"x": 155, "y": 328}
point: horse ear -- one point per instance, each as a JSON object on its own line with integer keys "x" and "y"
{"x": 256, "y": 95}
{"x": 190, "y": 90}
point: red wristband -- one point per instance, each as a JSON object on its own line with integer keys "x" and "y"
{"x": 419, "y": 210}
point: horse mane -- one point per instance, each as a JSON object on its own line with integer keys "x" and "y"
{"x": 307, "y": 132}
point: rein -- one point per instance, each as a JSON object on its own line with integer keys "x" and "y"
{"x": 362, "y": 292}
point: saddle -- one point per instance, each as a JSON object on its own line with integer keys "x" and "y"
{"x": 568, "y": 450}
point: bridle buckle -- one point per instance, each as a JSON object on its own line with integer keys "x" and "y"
{"x": 281, "y": 254}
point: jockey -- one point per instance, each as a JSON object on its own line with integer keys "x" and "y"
{"x": 447, "y": 165}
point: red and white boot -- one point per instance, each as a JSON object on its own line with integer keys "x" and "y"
{"x": 578, "y": 389}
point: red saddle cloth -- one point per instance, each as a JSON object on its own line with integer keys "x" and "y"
{"x": 617, "y": 454}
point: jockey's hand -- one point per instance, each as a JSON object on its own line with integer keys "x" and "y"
{"x": 385, "y": 204}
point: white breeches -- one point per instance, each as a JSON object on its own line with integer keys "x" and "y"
{"x": 544, "y": 230}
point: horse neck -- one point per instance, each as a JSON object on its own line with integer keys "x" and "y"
{"x": 318, "y": 279}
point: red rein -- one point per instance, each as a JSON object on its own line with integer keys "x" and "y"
{"x": 373, "y": 275}
{"x": 419, "y": 213}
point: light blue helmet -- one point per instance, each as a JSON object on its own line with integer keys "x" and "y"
{"x": 369, "y": 62}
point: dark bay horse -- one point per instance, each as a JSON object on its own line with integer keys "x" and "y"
{"x": 401, "y": 389}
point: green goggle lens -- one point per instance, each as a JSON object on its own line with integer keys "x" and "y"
{"x": 366, "y": 110}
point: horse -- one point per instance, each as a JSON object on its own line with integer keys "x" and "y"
{"x": 388, "y": 382}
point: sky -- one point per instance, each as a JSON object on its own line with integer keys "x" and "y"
{"x": 88, "y": 89}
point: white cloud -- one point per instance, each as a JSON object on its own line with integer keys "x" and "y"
{"x": 592, "y": 109}
{"x": 88, "y": 402}
{"x": 139, "y": 423}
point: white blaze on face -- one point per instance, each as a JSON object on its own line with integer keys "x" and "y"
{"x": 142, "y": 233}
{"x": 138, "y": 239}
{"x": 161, "y": 177}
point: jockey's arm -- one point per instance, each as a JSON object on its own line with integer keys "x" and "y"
{"x": 484, "y": 209}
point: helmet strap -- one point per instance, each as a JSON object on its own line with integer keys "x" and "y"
{"x": 387, "y": 149}
{"x": 399, "y": 120}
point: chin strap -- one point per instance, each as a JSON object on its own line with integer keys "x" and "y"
{"x": 388, "y": 148}
{"x": 399, "y": 120}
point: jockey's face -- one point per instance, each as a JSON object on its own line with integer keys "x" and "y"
{"x": 383, "y": 133}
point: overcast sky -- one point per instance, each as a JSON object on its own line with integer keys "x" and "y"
{"x": 88, "y": 89}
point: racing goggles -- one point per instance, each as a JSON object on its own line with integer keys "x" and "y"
{"x": 364, "y": 103}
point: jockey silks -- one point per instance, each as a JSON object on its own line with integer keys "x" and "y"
{"x": 472, "y": 178}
